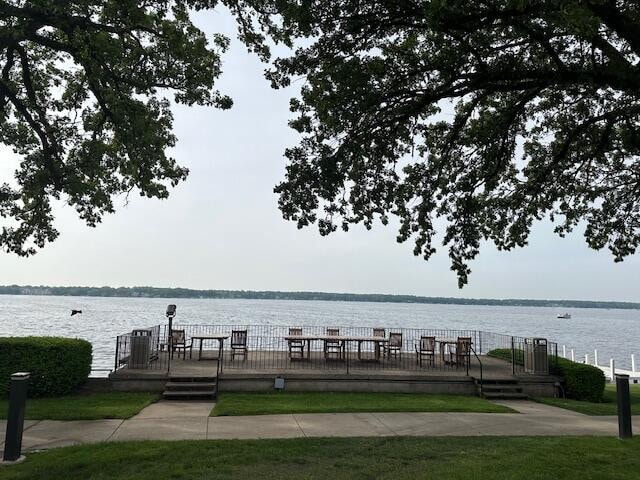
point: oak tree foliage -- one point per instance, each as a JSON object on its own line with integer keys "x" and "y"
{"x": 485, "y": 115}
{"x": 85, "y": 88}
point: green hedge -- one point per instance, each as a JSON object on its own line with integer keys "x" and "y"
{"x": 582, "y": 382}
{"x": 57, "y": 365}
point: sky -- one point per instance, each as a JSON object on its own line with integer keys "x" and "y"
{"x": 221, "y": 229}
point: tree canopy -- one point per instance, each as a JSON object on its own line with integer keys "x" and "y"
{"x": 85, "y": 88}
{"x": 489, "y": 115}
{"x": 486, "y": 115}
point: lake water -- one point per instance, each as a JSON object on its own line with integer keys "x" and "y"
{"x": 614, "y": 333}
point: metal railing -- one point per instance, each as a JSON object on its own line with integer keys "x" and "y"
{"x": 513, "y": 349}
{"x": 149, "y": 355}
{"x": 269, "y": 350}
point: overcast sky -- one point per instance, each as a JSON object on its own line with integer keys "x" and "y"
{"x": 221, "y": 229}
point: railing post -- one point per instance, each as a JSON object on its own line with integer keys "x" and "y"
{"x": 468, "y": 360}
{"x": 15, "y": 417}
{"x": 612, "y": 366}
{"x": 624, "y": 406}
{"x": 346, "y": 346}
{"x": 595, "y": 357}
{"x": 513, "y": 357}
{"x": 117, "y": 351}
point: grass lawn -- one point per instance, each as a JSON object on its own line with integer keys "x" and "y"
{"x": 85, "y": 407}
{"x": 608, "y": 407}
{"x": 329, "y": 402}
{"x": 497, "y": 458}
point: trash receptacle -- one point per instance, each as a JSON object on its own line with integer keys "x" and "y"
{"x": 535, "y": 356}
{"x": 140, "y": 348}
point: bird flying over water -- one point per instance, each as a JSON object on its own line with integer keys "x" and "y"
{"x": 75, "y": 312}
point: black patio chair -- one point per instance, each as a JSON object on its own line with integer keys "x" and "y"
{"x": 461, "y": 354}
{"x": 334, "y": 347}
{"x": 179, "y": 343}
{"x": 296, "y": 347}
{"x": 394, "y": 346}
{"x": 239, "y": 344}
{"x": 426, "y": 348}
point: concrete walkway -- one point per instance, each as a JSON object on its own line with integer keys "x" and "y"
{"x": 189, "y": 420}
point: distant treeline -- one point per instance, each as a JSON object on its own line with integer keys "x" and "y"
{"x": 154, "y": 292}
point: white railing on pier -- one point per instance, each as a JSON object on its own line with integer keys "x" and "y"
{"x": 608, "y": 370}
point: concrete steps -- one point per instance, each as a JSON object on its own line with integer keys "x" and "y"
{"x": 191, "y": 388}
{"x": 504, "y": 389}
{"x": 505, "y": 396}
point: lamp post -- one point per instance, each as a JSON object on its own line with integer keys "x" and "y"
{"x": 171, "y": 312}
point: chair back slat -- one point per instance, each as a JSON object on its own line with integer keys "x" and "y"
{"x": 333, "y": 332}
{"x": 463, "y": 346}
{"x": 428, "y": 344}
{"x": 238, "y": 338}
{"x": 395, "y": 339}
{"x": 178, "y": 337}
{"x": 293, "y": 332}
{"x": 379, "y": 332}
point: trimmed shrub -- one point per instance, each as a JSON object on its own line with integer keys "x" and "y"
{"x": 57, "y": 365}
{"x": 582, "y": 382}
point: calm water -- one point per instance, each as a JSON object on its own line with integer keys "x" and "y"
{"x": 615, "y": 333}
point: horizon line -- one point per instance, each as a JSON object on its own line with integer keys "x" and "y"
{"x": 312, "y": 292}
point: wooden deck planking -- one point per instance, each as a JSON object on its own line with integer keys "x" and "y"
{"x": 278, "y": 363}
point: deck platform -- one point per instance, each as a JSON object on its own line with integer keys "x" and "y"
{"x": 279, "y": 363}
{"x": 259, "y": 369}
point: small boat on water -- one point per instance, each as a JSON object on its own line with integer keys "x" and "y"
{"x": 566, "y": 316}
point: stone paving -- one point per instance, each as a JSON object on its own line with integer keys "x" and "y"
{"x": 167, "y": 420}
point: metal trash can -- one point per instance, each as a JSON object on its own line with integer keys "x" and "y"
{"x": 140, "y": 348}
{"x": 535, "y": 356}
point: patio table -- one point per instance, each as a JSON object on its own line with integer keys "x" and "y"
{"x": 219, "y": 337}
{"x": 342, "y": 338}
{"x": 377, "y": 341}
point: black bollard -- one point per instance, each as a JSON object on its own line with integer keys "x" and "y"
{"x": 624, "y": 406}
{"x": 15, "y": 417}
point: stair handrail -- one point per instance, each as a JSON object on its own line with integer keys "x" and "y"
{"x": 479, "y": 363}
{"x": 219, "y": 365}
